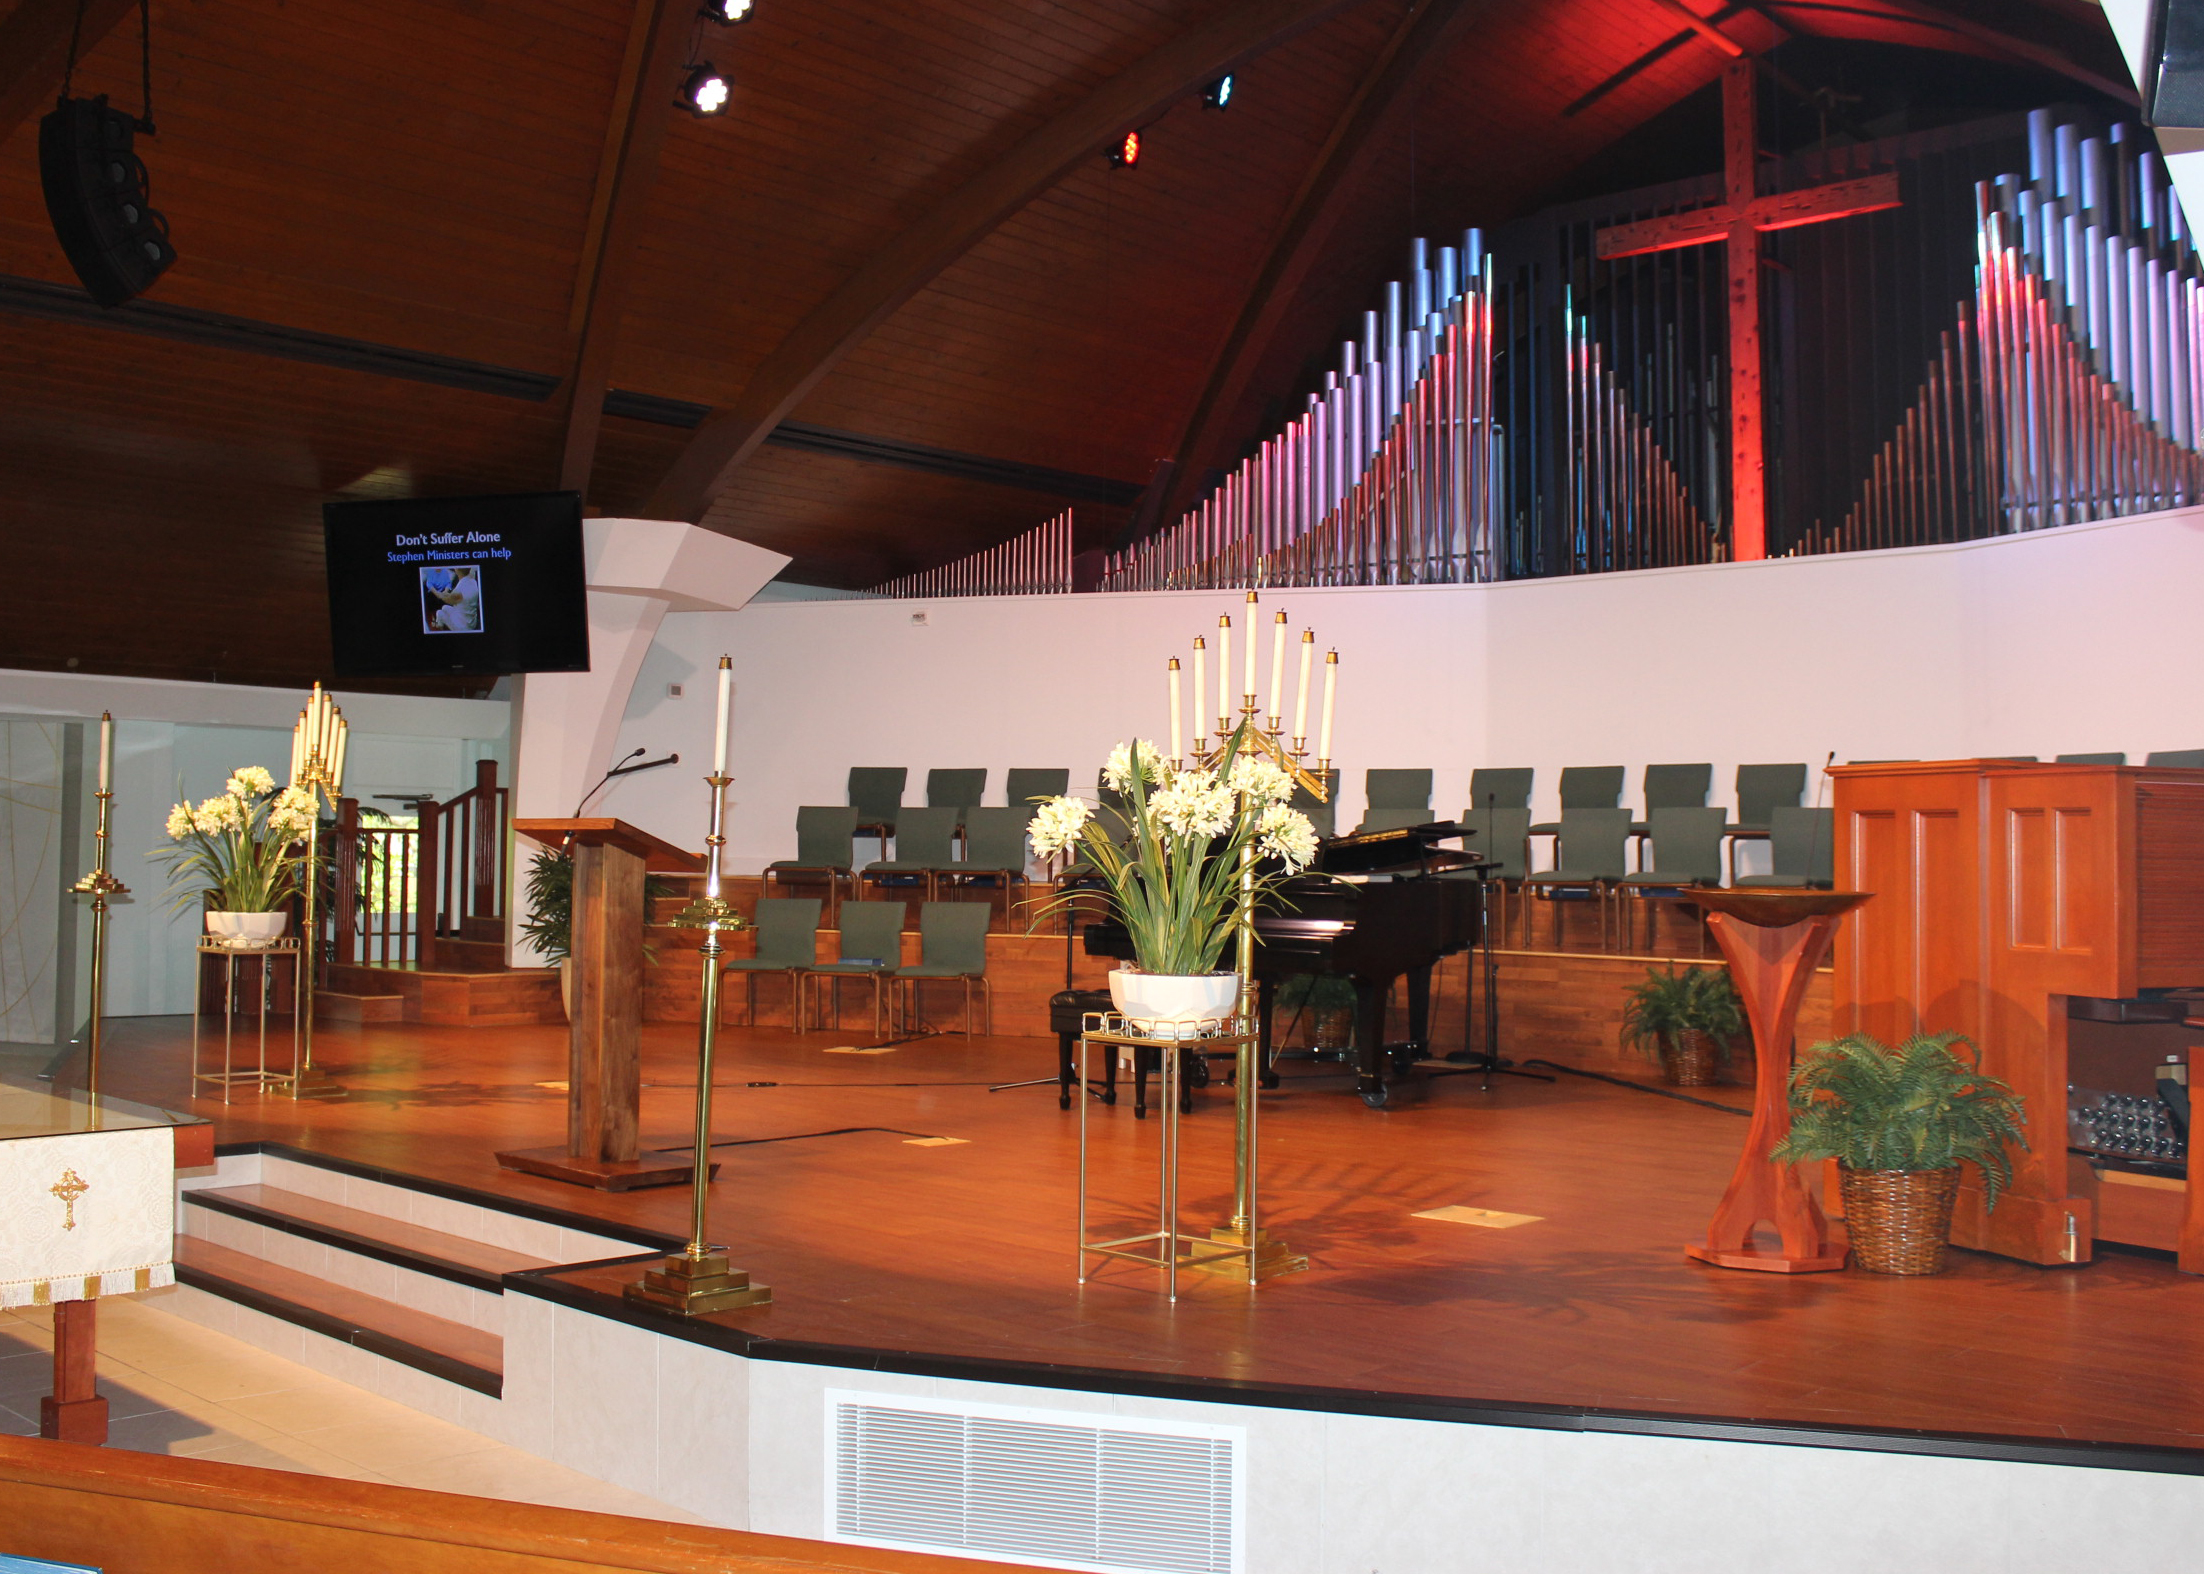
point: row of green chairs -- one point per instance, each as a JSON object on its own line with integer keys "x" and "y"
{"x": 927, "y": 851}
{"x": 952, "y": 944}
{"x": 876, "y": 793}
{"x": 1399, "y": 798}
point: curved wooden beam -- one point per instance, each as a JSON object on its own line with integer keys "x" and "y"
{"x": 730, "y": 434}
{"x": 1986, "y": 40}
{"x": 1421, "y": 39}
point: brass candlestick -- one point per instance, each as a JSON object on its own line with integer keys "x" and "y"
{"x": 697, "y": 1279}
{"x": 100, "y": 885}
{"x": 317, "y": 764}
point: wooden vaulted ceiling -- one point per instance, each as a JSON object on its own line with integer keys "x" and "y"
{"x": 903, "y": 239}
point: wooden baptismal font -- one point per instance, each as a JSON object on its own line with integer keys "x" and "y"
{"x": 1773, "y": 940}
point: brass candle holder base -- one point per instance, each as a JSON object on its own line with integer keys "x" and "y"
{"x": 314, "y": 1083}
{"x": 695, "y": 1285}
{"x": 1255, "y": 1255}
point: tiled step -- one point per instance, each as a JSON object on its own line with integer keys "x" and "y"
{"x": 473, "y": 1263}
{"x": 452, "y": 1351}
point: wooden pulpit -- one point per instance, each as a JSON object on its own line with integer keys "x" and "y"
{"x": 2016, "y": 888}
{"x": 604, "y": 1065}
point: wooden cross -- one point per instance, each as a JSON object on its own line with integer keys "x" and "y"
{"x": 1738, "y": 221}
{"x": 69, "y": 1188}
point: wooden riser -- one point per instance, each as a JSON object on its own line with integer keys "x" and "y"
{"x": 519, "y": 997}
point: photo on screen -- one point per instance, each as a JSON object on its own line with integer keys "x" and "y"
{"x": 451, "y": 599}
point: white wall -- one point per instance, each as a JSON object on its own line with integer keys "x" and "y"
{"x": 183, "y": 739}
{"x": 2077, "y": 639}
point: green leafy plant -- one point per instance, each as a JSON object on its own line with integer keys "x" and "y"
{"x": 1667, "y": 1005}
{"x": 1175, "y": 878}
{"x": 1316, "y": 991}
{"x": 549, "y": 888}
{"x": 238, "y": 851}
{"x": 1921, "y": 1106}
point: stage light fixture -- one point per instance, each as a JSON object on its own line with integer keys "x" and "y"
{"x": 705, "y": 92}
{"x": 1126, "y": 153}
{"x": 1218, "y": 94}
{"x": 728, "y": 12}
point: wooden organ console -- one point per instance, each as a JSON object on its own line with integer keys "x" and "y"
{"x": 2042, "y": 911}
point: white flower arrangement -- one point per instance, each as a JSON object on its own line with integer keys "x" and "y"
{"x": 238, "y": 851}
{"x": 1175, "y": 875}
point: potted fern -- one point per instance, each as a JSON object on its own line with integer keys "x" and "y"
{"x": 1900, "y": 1122}
{"x": 1330, "y": 1002}
{"x": 1686, "y": 1020}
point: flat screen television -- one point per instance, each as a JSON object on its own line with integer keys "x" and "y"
{"x": 457, "y": 585}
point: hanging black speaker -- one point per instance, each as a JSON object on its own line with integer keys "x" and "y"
{"x": 95, "y": 193}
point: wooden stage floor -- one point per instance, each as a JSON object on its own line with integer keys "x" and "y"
{"x": 965, "y": 1250}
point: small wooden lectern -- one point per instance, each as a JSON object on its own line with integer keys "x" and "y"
{"x": 1774, "y": 939}
{"x": 604, "y": 1066}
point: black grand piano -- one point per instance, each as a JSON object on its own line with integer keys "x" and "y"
{"x": 1371, "y": 908}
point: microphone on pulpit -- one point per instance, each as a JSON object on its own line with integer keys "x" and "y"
{"x": 600, "y": 787}
{"x": 1813, "y": 840}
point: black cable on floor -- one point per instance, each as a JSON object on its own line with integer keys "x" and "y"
{"x": 803, "y": 1136}
{"x": 1639, "y": 1087}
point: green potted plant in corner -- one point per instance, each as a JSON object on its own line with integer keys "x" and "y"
{"x": 1330, "y": 1002}
{"x": 1900, "y": 1122}
{"x": 1684, "y": 1018}
{"x": 1174, "y": 879}
{"x": 549, "y": 926}
{"x": 236, "y": 855}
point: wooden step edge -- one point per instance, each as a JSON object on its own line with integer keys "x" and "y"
{"x": 211, "y": 1198}
{"x": 344, "y": 1330}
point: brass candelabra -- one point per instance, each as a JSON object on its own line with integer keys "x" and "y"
{"x": 1258, "y": 1255}
{"x": 317, "y": 764}
{"x": 697, "y": 1278}
{"x": 101, "y": 885}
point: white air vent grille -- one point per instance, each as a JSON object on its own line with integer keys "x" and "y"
{"x": 1035, "y": 1486}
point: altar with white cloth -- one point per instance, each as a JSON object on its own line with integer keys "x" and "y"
{"x": 88, "y": 1187}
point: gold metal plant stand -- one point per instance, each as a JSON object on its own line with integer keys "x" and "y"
{"x": 697, "y": 1279}
{"x": 1252, "y": 1254}
{"x": 100, "y": 885}
{"x": 1166, "y": 1246}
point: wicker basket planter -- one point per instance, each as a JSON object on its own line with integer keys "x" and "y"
{"x": 1899, "y": 1220}
{"x": 1335, "y": 1028}
{"x": 1691, "y": 1059}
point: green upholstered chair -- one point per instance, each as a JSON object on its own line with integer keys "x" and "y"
{"x": 956, "y": 789}
{"x": 876, "y": 793}
{"x": 1589, "y": 856}
{"x": 1322, "y": 815}
{"x": 1393, "y": 799}
{"x": 1585, "y": 787}
{"x": 2091, "y": 759}
{"x": 2191, "y": 758}
{"x": 1501, "y": 836}
{"x": 1684, "y": 849}
{"x": 1501, "y": 787}
{"x": 952, "y": 943}
{"x": 994, "y": 851}
{"x": 826, "y": 843}
{"x": 1761, "y": 788}
{"x": 1673, "y": 787}
{"x": 871, "y": 947}
{"x": 925, "y": 842}
{"x": 1802, "y": 845}
{"x": 786, "y": 927}
{"x": 1375, "y": 820}
{"x": 1022, "y": 788}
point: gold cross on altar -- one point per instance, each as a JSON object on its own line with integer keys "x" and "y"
{"x": 1739, "y": 221}
{"x": 69, "y": 1188}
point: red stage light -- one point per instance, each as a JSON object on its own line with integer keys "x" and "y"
{"x": 1127, "y": 152}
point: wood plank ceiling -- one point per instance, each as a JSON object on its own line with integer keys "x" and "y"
{"x": 421, "y": 174}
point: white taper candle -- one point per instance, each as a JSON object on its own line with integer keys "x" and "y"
{"x": 1177, "y": 735}
{"x": 1249, "y": 690}
{"x": 1277, "y": 669}
{"x": 1201, "y": 690}
{"x": 106, "y": 751}
{"x": 726, "y": 696}
{"x": 340, "y": 732}
{"x": 1301, "y": 696}
{"x": 1331, "y": 681}
{"x": 1224, "y": 677}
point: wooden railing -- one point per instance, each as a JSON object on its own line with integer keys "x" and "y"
{"x": 400, "y": 889}
{"x": 125, "y": 1512}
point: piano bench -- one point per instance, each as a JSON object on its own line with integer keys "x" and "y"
{"x": 1067, "y": 1013}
